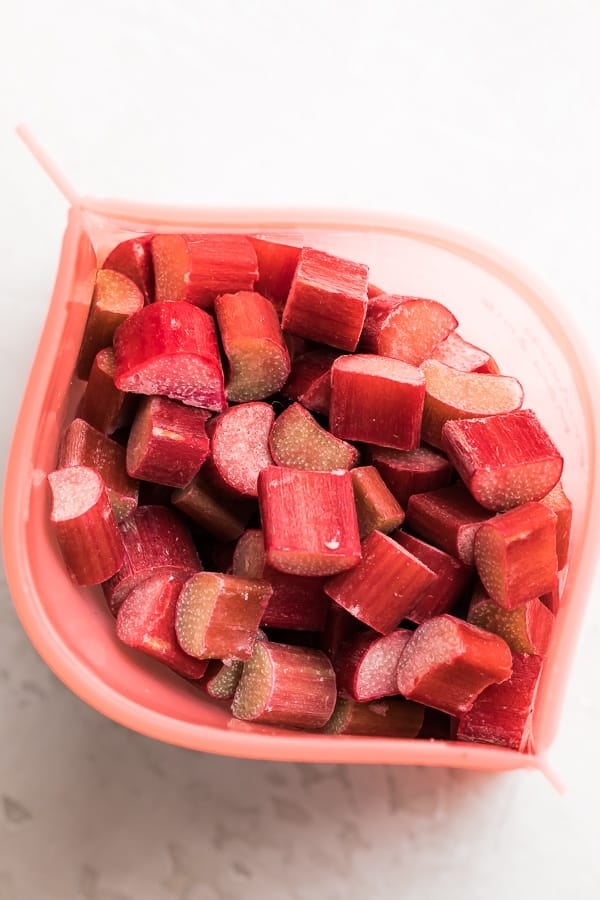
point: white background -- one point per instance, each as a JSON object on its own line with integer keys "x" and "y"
{"x": 480, "y": 114}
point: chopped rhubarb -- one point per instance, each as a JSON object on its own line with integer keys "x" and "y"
{"x": 276, "y": 266}
{"x": 170, "y": 349}
{"x": 392, "y": 717}
{"x": 84, "y": 525}
{"x": 199, "y": 267}
{"x": 561, "y": 506}
{"x": 299, "y": 442}
{"x": 327, "y": 301}
{"x": 208, "y": 507}
{"x": 309, "y": 521}
{"x": 452, "y": 583}
{"x": 451, "y": 394}
{"x": 374, "y": 291}
{"x": 447, "y": 518}
{"x": 310, "y": 381}
{"x": 296, "y": 346}
{"x": 409, "y": 472}
{"x": 377, "y": 400}
{"x": 551, "y": 599}
{"x": 285, "y": 685}
{"x": 407, "y": 328}
{"x": 167, "y": 442}
{"x": 259, "y": 362}
{"x": 366, "y": 664}
{"x": 222, "y": 678}
{"x": 83, "y": 445}
{"x": 447, "y": 663}
{"x": 384, "y": 586}
{"x": 526, "y": 629}
{"x": 102, "y": 404}
{"x": 376, "y": 507}
{"x": 465, "y": 357}
{"x": 218, "y": 615}
{"x": 502, "y": 714}
{"x": 156, "y": 542}
{"x": 133, "y": 258}
{"x": 515, "y": 554}
{"x": 146, "y": 622}
{"x": 505, "y": 460}
{"x": 240, "y": 447}
{"x": 340, "y": 626}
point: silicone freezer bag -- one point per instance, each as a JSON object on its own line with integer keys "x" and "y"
{"x": 498, "y": 307}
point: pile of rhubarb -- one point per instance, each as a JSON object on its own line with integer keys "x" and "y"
{"x": 313, "y": 499}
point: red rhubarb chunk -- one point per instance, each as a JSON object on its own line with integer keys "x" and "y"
{"x": 366, "y": 665}
{"x": 310, "y": 381}
{"x": 502, "y": 714}
{"x": 451, "y": 394}
{"x": 240, "y": 446}
{"x": 452, "y": 583}
{"x": 218, "y": 615}
{"x": 299, "y": 442}
{"x": 156, "y": 542}
{"x": 392, "y": 717}
{"x": 103, "y": 405}
{"x": 222, "y": 678}
{"x": 407, "y": 328}
{"x": 84, "y": 525}
{"x": 465, "y": 357}
{"x": 447, "y": 518}
{"x": 327, "y": 301}
{"x": 146, "y": 622}
{"x": 276, "y": 266}
{"x": 377, "y": 400}
{"x": 384, "y": 586}
{"x": 505, "y": 460}
{"x": 526, "y": 629}
{"x": 309, "y": 521}
{"x": 376, "y": 507}
{"x": 340, "y": 626}
{"x": 447, "y": 663}
{"x": 199, "y": 267}
{"x": 561, "y": 506}
{"x": 259, "y": 362}
{"x": 285, "y": 685}
{"x": 207, "y": 506}
{"x": 409, "y": 472}
{"x": 515, "y": 554}
{"x": 167, "y": 443}
{"x": 133, "y": 258}
{"x": 171, "y": 350}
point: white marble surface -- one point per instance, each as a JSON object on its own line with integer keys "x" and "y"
{"x": 483, "y": 115}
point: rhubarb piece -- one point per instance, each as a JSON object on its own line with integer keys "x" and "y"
{"x": 156, "y": 543}
{"x": 392, "y": 717}
{"x": 408, "y": 472}
{"x": 451, "y": 394}
{"x": 327, "y": 301}
{"x": 460, "y": 354}
{"x": 561, "y": 506}
{"x": 366, "y": 665}
{"x": 407, "y": 328}
{"x": 133, "y": 258}
{"x": 299, "y": 442}
{"x": 377, "y": 509}
{"x": 526, "y": 629}
{"x": 115, "y": 298}
{"x": 447, "y": 663}
{"x": 276, "y": 266}
{"x": 240, "y": 447}
{"x": 310, "y": 381}
{"x": 309, "y": 521}
{"x": 452, "y": 583}
{"x": 209, "y": 508}
{"x": 146, "y": 622}
{"x": 448, "y": 518}
{"x": 340, "y": 626}
{"x": 83, "y": 445}
{"x": 374, "y": 291}
{"x": 297, "y": 603}
{"x": 296, "y": 346}
{"x": 259, "y": 362}
{"x": 384, "y": 586}
{"x": 84, "y": 525}
{"x": 551, "y": 599}
{"x": 171, "y": 350}
{"x": 218, "y": 615}
{"x": 377, "y": 400}
{"x": 515, "y": 554}
{"x": 284, "y": 685}
{"x": 505, "y": 460}
{"x": 103, "y": 405}
{"x": 503, "y": 713}
{"x": 199, "y": 267}
{"x": 167, "y": 443}
{"x": 222, "y": 678}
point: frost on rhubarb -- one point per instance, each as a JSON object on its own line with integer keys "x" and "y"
{"x": 240, "y": 446}
{"x": 366, "y": 664}
{"x": 299, "y": 442}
